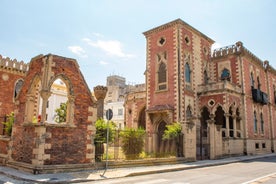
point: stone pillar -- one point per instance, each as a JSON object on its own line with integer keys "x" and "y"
{"x": 100, "y": 93}
{"x": 212, "y": 140}
{"x": 227, "y": 115}
{"x": 189, "y": 142}
{"x": 44, "y": 95}
{"x": 235, "y": 125}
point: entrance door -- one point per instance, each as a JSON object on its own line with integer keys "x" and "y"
{"x": 202, "y": 137}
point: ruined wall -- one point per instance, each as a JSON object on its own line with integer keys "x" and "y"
{"x": 41, "y": 143}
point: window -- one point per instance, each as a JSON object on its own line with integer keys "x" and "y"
{"x": 162, "y": 76}
{"x": 225, "y": 75}
{"x": 262, "y": 123}
{"x": 258, "y": 81}
{"x": 120, "y": 112}
{"x": 255, "y": 122}
{"x": 205, "y": 77}
{"x": 187, "y": 73}
{"x": 252, "y": 79}
{"x": 188, "y": 112}
{"x": 18, "y": 87}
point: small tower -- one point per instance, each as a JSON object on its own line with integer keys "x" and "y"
{"x": 100, "y": 93}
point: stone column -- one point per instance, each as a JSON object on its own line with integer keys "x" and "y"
{"x": 45, "y": 94}
{"x": 227, "y": 115}
{"x": 212, "y": 140}
{"x": 235, "y": 125}
{"x": 189, "y": 142}
{"x": 100, "y": 93}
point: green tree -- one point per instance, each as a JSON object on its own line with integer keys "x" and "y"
{"x": 61, "y": 113}
{"x": 132, "y": 142}
{"x": 9, "y": 123}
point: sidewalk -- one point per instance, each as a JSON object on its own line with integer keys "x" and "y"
{"x": 93, "y": 175}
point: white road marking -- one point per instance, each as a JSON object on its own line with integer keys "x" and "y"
{"x": 260, "y": 178}
{"x": 152, "y": 181}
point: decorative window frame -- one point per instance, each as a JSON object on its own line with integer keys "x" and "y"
{"x": 161, "y": 57}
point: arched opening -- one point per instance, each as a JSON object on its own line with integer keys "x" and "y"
{"x": 221, "y": 120}
{"x": 202, "y": 141}
{"x": 17, "y": 87}
{"x": 238, "y": 123}
{"x": 56, "y": 109}
{"x": 231, "y": 123}
{"x": 164, "y": 147}
{"x": 142, "y": 119}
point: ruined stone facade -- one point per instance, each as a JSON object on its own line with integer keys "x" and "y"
{"x": 225, "y": 101}
{"x": 36, "y": 145}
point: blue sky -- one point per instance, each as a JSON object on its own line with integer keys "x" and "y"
{"x": 105, "y": 36}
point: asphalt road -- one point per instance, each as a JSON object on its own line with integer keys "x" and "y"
{"x": 251, "y": 172}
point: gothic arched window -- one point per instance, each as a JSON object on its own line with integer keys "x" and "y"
{"x": 187, "y": 73}
{"x": 17, "y": 87}
{"x": 255, "y": 122}
{"x": 225, "y": 74}
{"x": 188, "y": 112}
{"x": 162, "y": 76}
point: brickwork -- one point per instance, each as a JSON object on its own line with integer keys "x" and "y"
{"x": 41, "y": 143}
{"x": 221, "y": 80}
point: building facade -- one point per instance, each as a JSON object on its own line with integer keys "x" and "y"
{"x": 224, "y": 100}
{"x": 117, "y": 91}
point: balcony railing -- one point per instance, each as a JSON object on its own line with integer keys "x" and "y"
{"x": 259, "y": 96}
{"x": 216, "y": 86}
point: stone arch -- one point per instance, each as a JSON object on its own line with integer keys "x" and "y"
{"x": 70, "y": 96}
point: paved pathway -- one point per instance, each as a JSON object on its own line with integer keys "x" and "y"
{"x": 92, "y": 175}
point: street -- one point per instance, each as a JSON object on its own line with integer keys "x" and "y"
{"x": 250, "y": 172}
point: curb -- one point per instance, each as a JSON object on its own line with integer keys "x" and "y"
{"x": 162, "y": 170}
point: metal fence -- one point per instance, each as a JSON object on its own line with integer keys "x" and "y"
{"x": 118, "y": 146}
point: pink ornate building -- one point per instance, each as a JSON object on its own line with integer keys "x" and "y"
{"x": 224, "y": 100}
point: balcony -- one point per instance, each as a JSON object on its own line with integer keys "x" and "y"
{"x": 219, "y": 86}
{"x": 259, "y": 96}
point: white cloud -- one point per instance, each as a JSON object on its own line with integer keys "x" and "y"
{"x": 215, "y": 46}
{"x": 103, "y": 63}
{"x": 111, "y": 47}
{"x": 78, "y": 50}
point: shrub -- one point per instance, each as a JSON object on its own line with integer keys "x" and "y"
{"x": 101, "y": 131}
{"x": 9, "y": 123}
{"x": 132, "y": 142}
